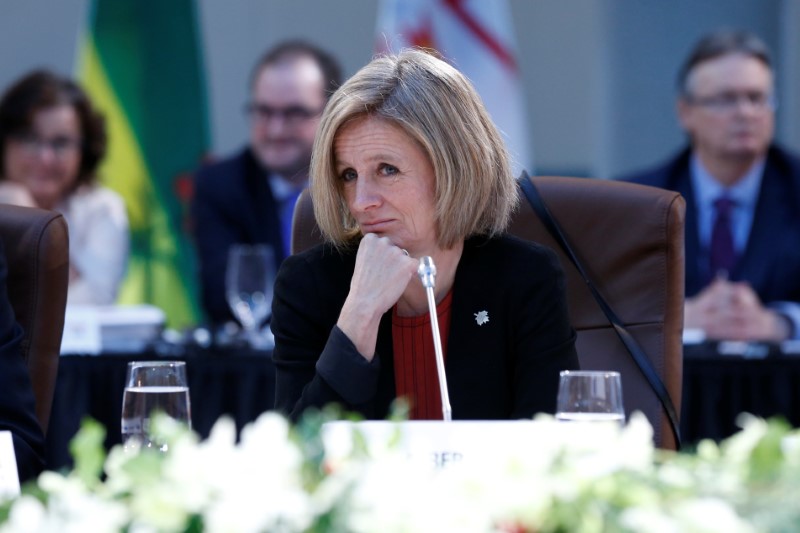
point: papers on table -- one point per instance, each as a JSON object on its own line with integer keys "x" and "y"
{"x": 118, "y": 328}
{"x": 9, "y": 479}
{"x": 693, "y": 336}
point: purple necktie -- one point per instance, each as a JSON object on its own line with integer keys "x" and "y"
{"x": 722, "y": 257}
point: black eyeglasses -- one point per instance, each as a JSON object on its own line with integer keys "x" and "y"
{"x": 290, "y": 115}
{"x": 729, "y": 101}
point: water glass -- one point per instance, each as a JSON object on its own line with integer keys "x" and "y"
{"x": 249, "y": 281}
{"x": 590, "y": 396}
{"x": 152, "y": 386}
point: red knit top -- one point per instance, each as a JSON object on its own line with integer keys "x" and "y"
{"x": 415, "y": 375}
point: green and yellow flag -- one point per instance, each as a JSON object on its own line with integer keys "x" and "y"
{"x": 141, "y": 62}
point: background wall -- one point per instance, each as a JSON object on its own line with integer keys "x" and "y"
{"x": 645, "y": 44}
{"x": 599, "y": 74}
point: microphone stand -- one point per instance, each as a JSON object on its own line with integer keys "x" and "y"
{"x": 427, "y": 274}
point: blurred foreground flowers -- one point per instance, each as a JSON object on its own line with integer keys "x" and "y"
{"x": 558, "y": 477}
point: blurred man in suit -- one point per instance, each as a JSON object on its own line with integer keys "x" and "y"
{"x": 17, "y": 404}
{"x": 249, "y": 197}
{"x": 742, "y": 193}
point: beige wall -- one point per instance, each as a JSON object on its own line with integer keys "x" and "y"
{"x": 598, "y": 73}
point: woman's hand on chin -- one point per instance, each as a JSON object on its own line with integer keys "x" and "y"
{"x": 381, "y": 275}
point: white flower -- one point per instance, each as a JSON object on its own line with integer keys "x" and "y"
{"x": 396, "y": 496}
{"x": 547, "y": 476}
{"x": 709, "y": 515}
{"x": 28, "y": 515}
{"x": 259, "y": 485}
{"x": 158, "y": 507}
{"x": 739, "y": 447}
{"x": 72, "y": 507}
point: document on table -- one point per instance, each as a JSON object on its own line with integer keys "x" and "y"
{"x": 9, "y": 478}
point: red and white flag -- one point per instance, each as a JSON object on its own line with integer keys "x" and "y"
{"x": 477, "y": 37}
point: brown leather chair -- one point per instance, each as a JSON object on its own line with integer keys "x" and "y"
{"x": 630, "y": 240}
{"x": 37, "y": 249}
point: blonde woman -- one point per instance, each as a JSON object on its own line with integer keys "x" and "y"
{"x": 407, "y": 163}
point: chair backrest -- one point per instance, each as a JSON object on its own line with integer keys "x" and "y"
{"x": 305, "y": 232}
{"x": 630, "y": 240}
{"x": 37, "y": 248}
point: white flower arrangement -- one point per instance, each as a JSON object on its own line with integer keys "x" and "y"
{"x": 280, "y": 478}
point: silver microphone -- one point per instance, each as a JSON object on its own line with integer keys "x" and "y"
{"x": 427, "y": 275}
{"x": 427, "y": 272}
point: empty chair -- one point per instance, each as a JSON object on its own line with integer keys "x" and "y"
{"x": 629, "y": 239}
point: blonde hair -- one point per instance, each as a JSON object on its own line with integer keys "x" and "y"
{"x": 434, "y": 104}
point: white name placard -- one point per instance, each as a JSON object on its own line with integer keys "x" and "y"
{"x": 439, "y": 444}
{"x": 9, "y": 478}
{"x": 466, "y": 443}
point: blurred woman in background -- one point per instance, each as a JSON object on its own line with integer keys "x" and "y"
{"x": 51, "y": 141}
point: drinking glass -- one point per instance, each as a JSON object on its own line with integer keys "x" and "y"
{"x": 249, "y": 278}
{"x": 590, "y": 396}
{"x": 152, "y": 386}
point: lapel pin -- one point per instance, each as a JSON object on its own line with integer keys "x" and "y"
{"x": 481, "y": 317}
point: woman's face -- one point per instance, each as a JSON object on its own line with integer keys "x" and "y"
{"x": 388, "y": 183}
{"x": 47, "y": 159}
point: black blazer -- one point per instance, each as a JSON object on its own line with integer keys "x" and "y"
{"x": 506, "y": 368}
{"x": 232, "y": 203}
{"x": 17, "y": 404}
{"x": 771, "y": 259}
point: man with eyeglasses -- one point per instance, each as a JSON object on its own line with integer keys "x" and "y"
{"x": 249, "y": 198}
{"x": 742, "y": 194}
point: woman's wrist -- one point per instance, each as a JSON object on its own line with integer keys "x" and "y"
{"x": 360, "y": 323}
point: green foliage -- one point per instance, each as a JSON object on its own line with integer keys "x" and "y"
{"x": 766, "y": 459}
{"x": 612, "y": 484}
{"x": 88, "y": 451}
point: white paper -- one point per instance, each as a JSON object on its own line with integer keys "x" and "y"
{"x": 112, "y": 328}
{"x": 81, "y": 331}
{"x": 9, "y": 478}
{"x": 693, "y": 336}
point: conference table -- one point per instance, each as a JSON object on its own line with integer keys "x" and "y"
{"x": 239, "y": 383}
{"x": 720, "y": 381}
{"x": 723, "y": 379}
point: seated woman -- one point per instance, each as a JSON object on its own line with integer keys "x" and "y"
{"x": 406, "y": 164}
{"x": 52, "y": 141}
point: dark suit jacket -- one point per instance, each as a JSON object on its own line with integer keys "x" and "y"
{"x": 506, "y": 368}
{"x": 232, "y": 203}
{"x": 771, "y": 259}
{"x": 17, "y": 407}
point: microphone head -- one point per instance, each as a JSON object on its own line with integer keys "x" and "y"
{"x": 427, "y": 271}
